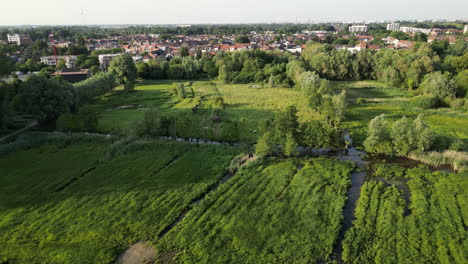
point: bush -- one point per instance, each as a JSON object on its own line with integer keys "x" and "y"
{"x": 426, "y": 102}
{"x": 68, "y": 122}
{"x": 457, "y": 145}
{"x": 85, "y": 120}
{"x": 388, "y": 171}
{"x": 457, "y": 103}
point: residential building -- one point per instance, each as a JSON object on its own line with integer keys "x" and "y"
{"x": 393, "y": 26}
{"x": 105, "y": 59}
{"x": 358, "y": 28}
{"x": 415, "y": 30}
{"x": 465, "y": 29}
{"x": 19, "y": 39}
{"x": 73, "y": 74}
{"x": 70, "y": 61}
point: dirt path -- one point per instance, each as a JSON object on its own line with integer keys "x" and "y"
{"x": 33, "y": 124}
{"x": 139, "y": 253}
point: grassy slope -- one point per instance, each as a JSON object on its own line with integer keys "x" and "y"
{"x": 395, "y": 103}
{"x": 267, "y": 213}
{"x": 243, "y": 104}
{"x": 128, "y": 198}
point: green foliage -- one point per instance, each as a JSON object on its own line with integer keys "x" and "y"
{"x": 6, "y": 114}
{"x": 310, "y": 82}
{"x": 262, "y": 212}
{"x": 438, "y": 85}
{"x": 85, "y": 120}
{"x": 98, "y": 84}
{"x": 103, "y": 205}
{"x": 426, "y": 102}
{"x": 403, "y": 137}
{"x": 183, "y": 51}
{"x": 181, "y": 92}
{"x": 388, "y": 171}
{"x": 461, "y": 82}
{"x": 242, "y": 39}
{"x": 124, "y": 70}
{"x": 427, "y": 229}
{"x": 265, "y": 145}
{"x": 316, "y": 134}
{"x": 45, "y": 98}
{"x": 290, "y": 146}
{"x": 378, "y": 139}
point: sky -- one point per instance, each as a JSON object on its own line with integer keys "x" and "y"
{"x": 60, "y": 12}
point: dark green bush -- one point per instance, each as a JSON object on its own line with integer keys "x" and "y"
{"x": 426, "y": 102}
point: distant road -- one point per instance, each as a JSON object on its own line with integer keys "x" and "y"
{"x": 33, "y": 124}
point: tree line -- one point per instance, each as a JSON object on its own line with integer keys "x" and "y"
{"x": 46, "y": 98}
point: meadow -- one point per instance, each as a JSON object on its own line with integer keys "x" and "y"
{"x": 273, "y": 211}
{"x": 448, "y": 124}
{"x": 245, "y": 105}
{"x": 86, "y": 201}
{"x": 429, "y": 227}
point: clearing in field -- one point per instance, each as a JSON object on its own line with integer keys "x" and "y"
{"x": 244, "y": 105}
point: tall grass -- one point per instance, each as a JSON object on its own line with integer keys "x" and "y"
{"x": 458, "y": 160}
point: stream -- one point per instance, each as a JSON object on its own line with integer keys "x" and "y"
{"x": 358, "y": 179}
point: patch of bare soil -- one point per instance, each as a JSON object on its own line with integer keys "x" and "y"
{"x": 139, "y": 253}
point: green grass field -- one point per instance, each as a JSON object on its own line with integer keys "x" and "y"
{"x": 268, "y": 213}
{"x": 243, "y": 104}
{"x": 396, "y": 103}
{"x": 88, "y": 202}
{"x": 429, "y": 228}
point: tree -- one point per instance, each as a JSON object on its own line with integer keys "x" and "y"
{"x": 315, "y": 134}
{"x": 315, "y": 101}
{"x": 88, "y": 118}
{"x": 124, "y": 70}
{"x": 461, "y": 82}
{"x": 183, "y": 51}
{"x": 310, "y": 82}
{"x": 271, "y": 81}
{"x": 6, "y": 66}
{"x": 439, "y": 85}
{"x": 61, "y": 64}
{"x": 290, "y": 146}
{"x": 403, "y": 136}
{"x": 339, "y": 103}
{"x": 378, "y": 139}
{"x": 242, "y": 39}
{"x": 424, "y": 135}
{"x": 265, "y": 145}
{"x": 46, "y": 98}
{"x": 286, "y": 123}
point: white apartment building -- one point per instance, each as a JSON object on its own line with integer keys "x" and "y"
{"x": 415, "y": 30}
{"x": 393, "y": 26}
{"x": 19, "y": 39}
{"x": 358, "y": 28}
{"x": 465, "y": 29}
{"x": 70, "y": 61}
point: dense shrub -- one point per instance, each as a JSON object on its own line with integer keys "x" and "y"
{"x": 85, "y": 120}
{"x": 426, "y": 102}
